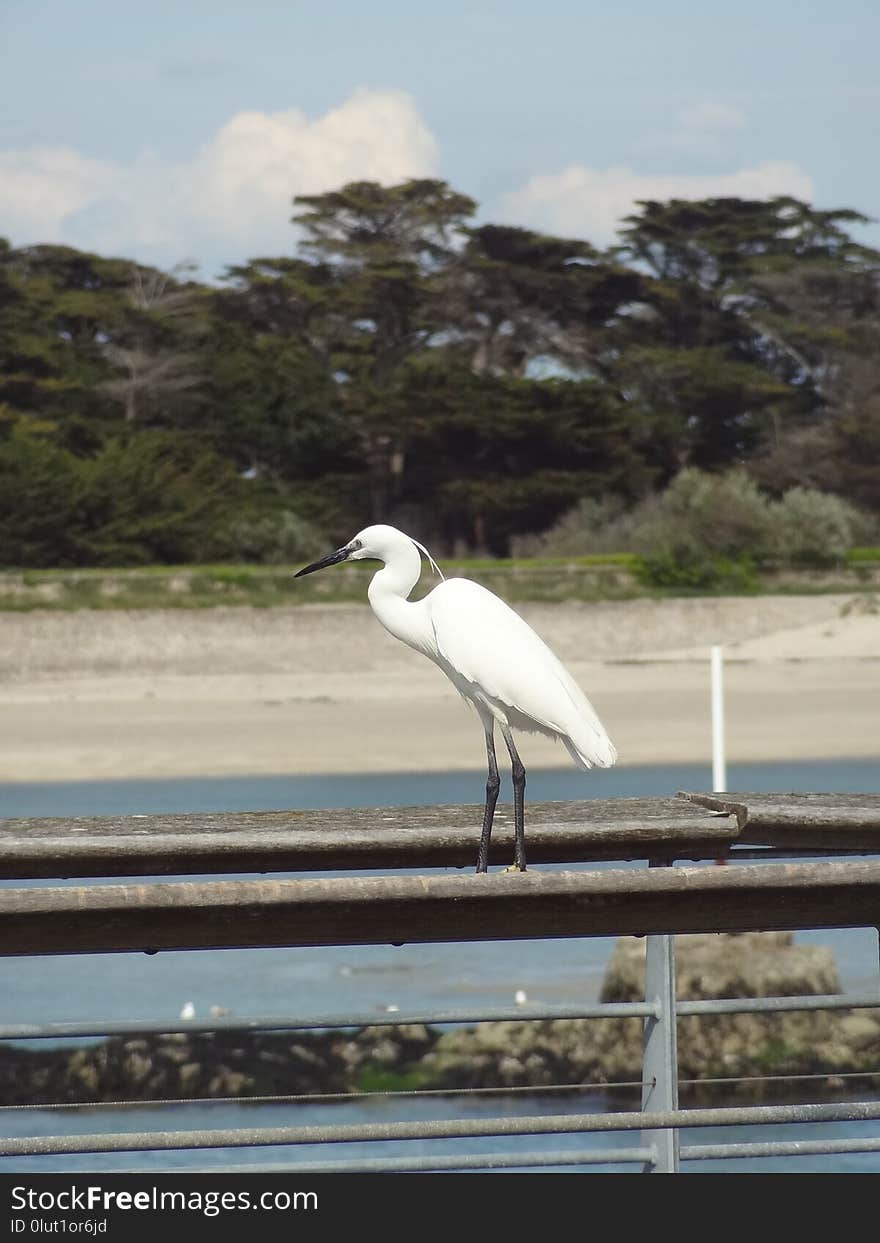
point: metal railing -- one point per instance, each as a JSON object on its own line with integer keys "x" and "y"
{"x": 656, "y": 902}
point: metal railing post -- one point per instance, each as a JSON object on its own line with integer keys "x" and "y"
{"x": 660, "y": 1054}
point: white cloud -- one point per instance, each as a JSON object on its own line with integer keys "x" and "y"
{"x": 241, "y": 182}
{"x": 41, "y": 186}
{"x": 232, "y": 199}
{"x": 589, "y": 202}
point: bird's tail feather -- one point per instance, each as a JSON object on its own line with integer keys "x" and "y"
{"x": 602, "y": 753}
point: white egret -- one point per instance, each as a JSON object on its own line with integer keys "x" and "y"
{"x": 492, "y": 657}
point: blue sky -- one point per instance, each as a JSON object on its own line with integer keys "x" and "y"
{"x": 181, "y": 130}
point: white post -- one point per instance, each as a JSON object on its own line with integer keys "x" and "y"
{"x": 719, "y": 763}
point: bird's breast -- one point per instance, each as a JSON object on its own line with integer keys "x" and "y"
{"x": 407, "y": 620}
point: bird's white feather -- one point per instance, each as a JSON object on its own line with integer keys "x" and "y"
{"x": 490, "y": 654}
{"x": 494, "y": 657}
{"x": 488, "y": 651}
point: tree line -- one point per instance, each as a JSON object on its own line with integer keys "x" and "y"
{"x": 470, "y": 382}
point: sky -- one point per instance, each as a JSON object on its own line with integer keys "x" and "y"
{"x": 180, "y": 131}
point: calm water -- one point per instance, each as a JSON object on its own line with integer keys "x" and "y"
{"x": 308, "y": 982}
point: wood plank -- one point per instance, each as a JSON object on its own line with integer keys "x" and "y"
{"x": 692, "y": 826}
{"x": 836, "y": 821}
{"x": 398, "y": 909}
{"x": 354, "y": 838}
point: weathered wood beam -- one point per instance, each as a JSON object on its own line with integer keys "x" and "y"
{"x": 397, "y": 909}
{"x": 802, "y": 821}
{"x": 692, "y": 826}
{"x": 355, "y": 838}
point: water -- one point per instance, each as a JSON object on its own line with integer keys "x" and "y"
{"x": 314, "y": 982}
{"x": 192, "y": 794}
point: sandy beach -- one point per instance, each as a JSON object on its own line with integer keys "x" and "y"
{"x": 323, "y": 688}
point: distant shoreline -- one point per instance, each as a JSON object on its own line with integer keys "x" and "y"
{"x": 323, "y": 690}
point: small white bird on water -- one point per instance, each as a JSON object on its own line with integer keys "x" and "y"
{"x": 492, "y": 657}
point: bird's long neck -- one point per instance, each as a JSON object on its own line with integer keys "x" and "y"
{"x": 406, "y": 619}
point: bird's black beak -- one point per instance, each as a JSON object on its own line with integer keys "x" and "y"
{"x": 341, "y": 554}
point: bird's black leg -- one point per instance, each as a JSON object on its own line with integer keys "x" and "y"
{"x": 493, "y": 784}
{"x": 519, "y": 789}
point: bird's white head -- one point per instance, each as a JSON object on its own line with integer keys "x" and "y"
{"x": 376, "y": 543}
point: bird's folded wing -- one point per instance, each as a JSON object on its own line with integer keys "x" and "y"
{"x": 490, "y": 646}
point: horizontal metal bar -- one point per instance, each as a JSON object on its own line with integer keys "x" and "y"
{"x": 529, "y": 1160}
{"x": 779, "y": 1148}
{"x": 772, "y": 1005}
{"x": 410, "y": 1094}
{"x": 734, "y": 1081}
{"x": 357, "y": 1097}
{"x": 434, "y": 1018}
{"x": 424, "y": 1165}
{"x": 563, "y": 1157}
{"x": 456, "y": 1128}
{"x": 398, "y": 909}
{"x": 358, "y": 1019}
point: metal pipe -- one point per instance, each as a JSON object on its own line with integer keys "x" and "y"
{"x": 430, "y": 1018}
{"x": 455, "y": 1128}
{"x": 660, "y": 1052}
{"x": 791, "y": 1148}
{"x": 498, "y": 1014}
{"x": 528, "y": 1160}
{"x": 719, "y": 761}
{"x": 422, "y": 1165}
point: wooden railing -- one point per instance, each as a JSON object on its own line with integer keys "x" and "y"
{"x": 347, "y": 908}
{"x": 355, "y": 909}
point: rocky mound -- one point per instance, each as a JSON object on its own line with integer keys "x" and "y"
{"x": 751, "y": 1047}
{"x": 759, "y": 1050}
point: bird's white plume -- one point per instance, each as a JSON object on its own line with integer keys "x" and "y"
{"x": 434, "y": 565}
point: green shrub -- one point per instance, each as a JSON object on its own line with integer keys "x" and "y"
{"x": 274, "y": 538}
{"x": 709, "y": 530}
{"x": 144, "y": 499}
{"x": 38, "y": 497}
{"x": 814, "y": 528}
{"x": 725, "y": 515}
{"x": 593, "y": 527}
{"x": 153, "y": 497}
{"x": 689, "y": 569}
